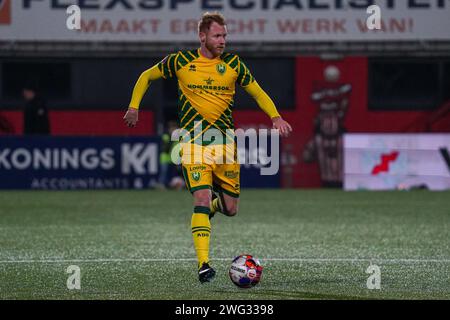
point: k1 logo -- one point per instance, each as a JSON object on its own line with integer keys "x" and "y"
{"x": 139, "y": 158}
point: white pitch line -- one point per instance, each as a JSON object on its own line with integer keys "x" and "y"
{"x": 312, "y": 260}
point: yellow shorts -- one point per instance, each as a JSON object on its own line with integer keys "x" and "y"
{"x": 211, "y": 167}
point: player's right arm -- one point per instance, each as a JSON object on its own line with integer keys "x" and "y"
{"x": 140, "y": 88}
{"x": 249, "y": 84}
{"x": 164, "y": 69}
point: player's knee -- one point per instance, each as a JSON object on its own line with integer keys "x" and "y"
{"x": 202, "y": 203}
{"x": 231, "y": 210}
{"x": 202, "y": 199}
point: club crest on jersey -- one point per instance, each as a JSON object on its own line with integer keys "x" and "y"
{"x": 196, "y": 176}
{"x": 221, "y": 68}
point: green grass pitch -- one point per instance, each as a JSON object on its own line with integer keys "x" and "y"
{"x": 313, "y": 244}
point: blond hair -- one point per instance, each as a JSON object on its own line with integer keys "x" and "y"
{"x": 208, "y": 18}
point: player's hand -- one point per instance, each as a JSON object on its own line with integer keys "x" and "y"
{"x": 282, "y": 126}
{"x": 131, "y": 117}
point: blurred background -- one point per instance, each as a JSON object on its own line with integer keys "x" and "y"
{"x": 370, "y": 108}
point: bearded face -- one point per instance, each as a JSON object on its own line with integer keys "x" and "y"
{"x": 215, "y": 39}
{"x": 214, "y": 48}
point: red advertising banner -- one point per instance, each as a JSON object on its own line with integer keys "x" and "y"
{"x": 82, "y": 123}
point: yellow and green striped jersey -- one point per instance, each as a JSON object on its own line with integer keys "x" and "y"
{"x": 206, "y": 87}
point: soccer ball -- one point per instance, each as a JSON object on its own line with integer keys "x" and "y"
{"x": 245, "y": 271}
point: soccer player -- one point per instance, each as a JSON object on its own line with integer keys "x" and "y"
{"x": 206, "y": 86}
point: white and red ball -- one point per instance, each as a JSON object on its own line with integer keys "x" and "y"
{"x": 245, "y": 271}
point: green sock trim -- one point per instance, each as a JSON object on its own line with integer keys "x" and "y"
{"x": 202, "y": 230}
{"x": 201, "y": 209}
{"x": 207, "y": 227}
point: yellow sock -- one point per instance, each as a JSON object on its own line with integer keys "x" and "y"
{"x": 215, "y": 205}
{"x": 201, "y": 231}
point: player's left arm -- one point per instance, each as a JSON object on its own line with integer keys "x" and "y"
{"x": 266, "y": 104}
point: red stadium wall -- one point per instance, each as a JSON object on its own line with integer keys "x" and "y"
{"x": 11, "y": 122}
{"x": 87, "y": 123}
